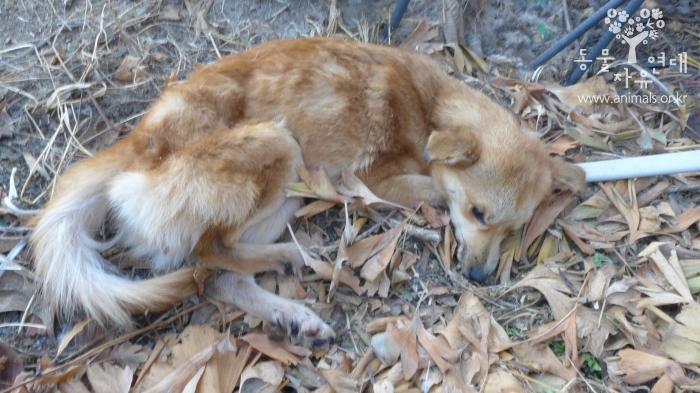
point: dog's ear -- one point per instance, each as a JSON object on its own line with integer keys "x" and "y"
{"x": 567, "y": 176}
{"x": 452, "y": 146}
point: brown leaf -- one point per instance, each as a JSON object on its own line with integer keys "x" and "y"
{"x": 433, "y": 217}
{"x": 264, "y": 374}
{"x": 385, "y": 348}
{"x": 194, "y": 361}
{"x": 34, "y": 165}
{"x": 567, "y": 328}
{"x": 131, "y": 355}
{"x": 11, "y": 364}
{"x": 598, "y": 282}
{"x": 131, "y": 70}
{"x": 682, "y": 341}
{"x": 198, "y": 11}
{"x": 110, "y": 378}
{"x": 316, "y": 184}
{"x": 437, "y": 347}
{"x": 68, "y": 337}
{"x": 157, "y": 348}
{"x": 230, "y": 365}
{"x": 418, "y": 40}
{"x": 499, "y": 381}
{"x": 314, "y": 208}
{"x": 341, "y": 382}
{"x": 351, "y": 186}
{"x": 544, "y": 216}
{"x": 376, "y": 264}
{"x": 380, "y": 324}
{"x": 592, "y": 207}
{"x": 540, "y": 358}
{"x": 73, "y": 386}
{"x": 684, "y": 220}
{"x": 673, "y": 274}
{"x": 465, "y": 59}
{"x": 179, "y": 378}
{"x": 514, "y": 85}
{"x": 325, "y": 270}
{"x": 54, "y": 378}
{"x": 577, "y": 240}
{"x": 640, "y": 367}
{"x": 362, "y": 250}
{"x": 562, "y": 144}
{"x": 629, "y": 212}
{"x": 453, "y": 383}
{"x": 471, "y": 315}
{"x": 552, "y": 287}
{"x": 271, "y": 349}
{"x": 405, "y": 339}
{"x": 663, "y": 385}
{"x": 572, "y": 96}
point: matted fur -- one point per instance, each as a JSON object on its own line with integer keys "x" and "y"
{"x": 205, "y": 169}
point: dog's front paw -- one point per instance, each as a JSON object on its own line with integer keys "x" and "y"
{"x": 303, "y": 326}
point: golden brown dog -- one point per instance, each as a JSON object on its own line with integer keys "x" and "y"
{"x": 205, "y": 169}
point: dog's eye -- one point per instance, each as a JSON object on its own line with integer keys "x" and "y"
{"x": 478, "y": 214}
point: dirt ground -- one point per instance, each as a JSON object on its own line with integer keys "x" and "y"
{"x": 76, "y": 75}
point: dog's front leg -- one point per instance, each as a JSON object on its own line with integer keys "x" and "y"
{"x": 300, "y": 323}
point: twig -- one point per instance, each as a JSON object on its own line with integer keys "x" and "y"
{"x": 683, "y": 188}
{"x": 566, "y": 15}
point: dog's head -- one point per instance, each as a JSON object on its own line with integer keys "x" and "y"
{"x": 493, "y": 180}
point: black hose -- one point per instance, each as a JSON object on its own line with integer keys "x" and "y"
{"x": 604, "y": 41}
{"x": 574, "y": 34}
{"x": 401, "y": 7}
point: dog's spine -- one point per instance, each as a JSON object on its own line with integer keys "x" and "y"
{"x": 73, "y": 274}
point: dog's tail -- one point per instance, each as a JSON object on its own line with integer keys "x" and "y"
{"x": 67, "y": 258}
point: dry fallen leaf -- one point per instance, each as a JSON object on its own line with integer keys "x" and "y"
{"x": 351, "y": 186}
{"x": 499, "y": 381}
{"x": 562, "y": 144}
{"x": 592, "y": 87}
{"x": 262, "y": 343}
{"x": 544, "y": 216}
{"x": 419, "y": 39}
{"x": 263, "y": 377}
{"x": 68, "y": 337}
{"x": 131, "y": 70}
{"x": 110, "y": 378}
{"x": 552, "y": 287}
{"x": 376, "y": 264}
{"x": 640, "y": 367}
{"x": 682, "y": 340}
{"x": 10, "y": 365}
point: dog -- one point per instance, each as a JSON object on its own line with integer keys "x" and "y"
{"x": 204, "y": 172}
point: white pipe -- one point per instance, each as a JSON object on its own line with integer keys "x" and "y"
{"x": 654, "y": 165}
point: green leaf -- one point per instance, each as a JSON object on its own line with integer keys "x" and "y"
{"x": 599, "y": 258}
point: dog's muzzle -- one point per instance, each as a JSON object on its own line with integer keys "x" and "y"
{"x": 476, "y": 274}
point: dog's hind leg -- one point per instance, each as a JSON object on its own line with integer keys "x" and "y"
{"x": 299, "y": 322}
{"x": 241, "y": 204}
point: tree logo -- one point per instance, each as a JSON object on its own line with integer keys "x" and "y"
{"x": 637, "y": 30}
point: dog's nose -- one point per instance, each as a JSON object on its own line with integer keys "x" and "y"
{"x": 477, "y": 274}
